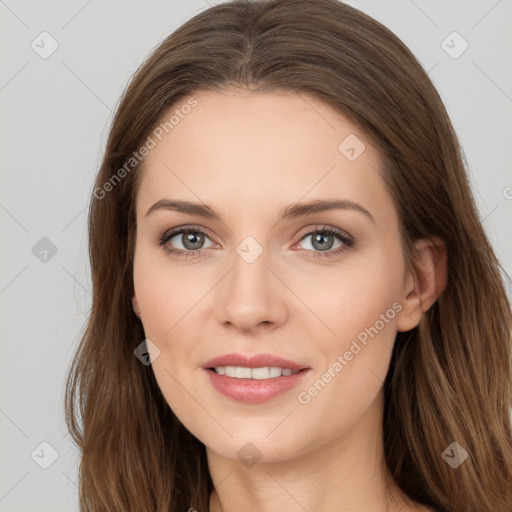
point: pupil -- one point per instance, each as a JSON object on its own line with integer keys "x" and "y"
{"x": 319, "y": 237}
{"x": 189, "y": 239}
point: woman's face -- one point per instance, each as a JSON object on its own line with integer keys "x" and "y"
{"x": 258, "y": 281}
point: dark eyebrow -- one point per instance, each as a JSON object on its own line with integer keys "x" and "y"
{"x": 290, "y": 212}
{"x": 322, "y": 205}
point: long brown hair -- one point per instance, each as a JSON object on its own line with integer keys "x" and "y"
{"x": 450, "y": 377}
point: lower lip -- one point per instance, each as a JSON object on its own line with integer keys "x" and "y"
{"x": 254, "y": 391}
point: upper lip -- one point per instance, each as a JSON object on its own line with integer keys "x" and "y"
{"x": 256, "y": 361}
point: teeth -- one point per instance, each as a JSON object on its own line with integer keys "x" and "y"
{"x": 267, "y": 372}
{"x": 261, "y": 373}
{"x": 243, "y": 373}
{"x": 275, "y": 372}
{"x": 230, "y": 371}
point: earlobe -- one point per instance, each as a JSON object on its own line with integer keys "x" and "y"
{"x": 135, "y": 305}
{"x": 425, "y": 283}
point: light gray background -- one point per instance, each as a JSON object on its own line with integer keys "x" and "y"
{"x": 54, "y": 122}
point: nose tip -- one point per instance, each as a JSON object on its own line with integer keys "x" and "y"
{"x": 251, "y": 296}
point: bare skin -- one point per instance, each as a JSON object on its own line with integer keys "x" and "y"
{"x": 247, "y": 156}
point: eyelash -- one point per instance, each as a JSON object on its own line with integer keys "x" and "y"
{"x": 347, "y": 241}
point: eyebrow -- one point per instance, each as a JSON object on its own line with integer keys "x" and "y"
{"x": 290, "y": 212}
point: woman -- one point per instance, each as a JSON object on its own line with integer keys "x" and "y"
{"x": 295, "y": 306}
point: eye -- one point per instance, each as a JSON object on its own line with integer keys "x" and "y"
{"x": 190, "y": 239}
{"x": 323, "y": 240}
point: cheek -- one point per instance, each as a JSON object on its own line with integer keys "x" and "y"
{"x": 354, "y": 363}
{"x": 166, "y": 292}
{"x": 351, "y": 299}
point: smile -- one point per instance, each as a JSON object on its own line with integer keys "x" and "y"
{"x": 265, "y": 372}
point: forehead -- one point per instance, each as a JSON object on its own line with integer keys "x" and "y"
{"x": 254, "y": 148}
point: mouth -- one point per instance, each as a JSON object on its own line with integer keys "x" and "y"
{"x": 260, "y": 373}
{"x": 254, "y": 379}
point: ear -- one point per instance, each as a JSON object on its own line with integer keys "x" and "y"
{"x": 424, "y": 283}
{"x": 135, "y": 305}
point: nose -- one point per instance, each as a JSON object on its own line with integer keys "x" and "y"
{"x": 251, "y": 296}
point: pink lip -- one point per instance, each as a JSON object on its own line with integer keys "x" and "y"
{"x": 257, "y": 361}
{"x": 252, "y": 390}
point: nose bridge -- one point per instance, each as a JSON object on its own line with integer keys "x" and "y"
{"x": 249, "y": 266}
{"x": 251, "y": 294}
